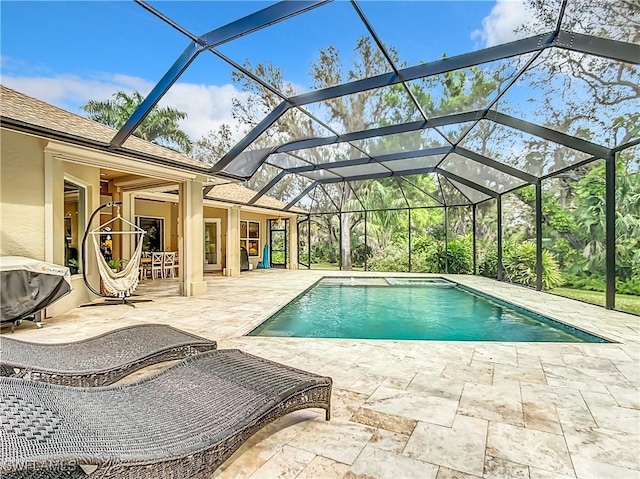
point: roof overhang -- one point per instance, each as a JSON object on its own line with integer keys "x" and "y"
{"x": 169, "y": 197}
{"x": 82, "y": 150}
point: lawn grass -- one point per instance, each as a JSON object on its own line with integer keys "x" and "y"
{"x": 624, "y": 302}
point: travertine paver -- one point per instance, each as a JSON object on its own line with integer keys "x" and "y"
{"x": 457, "y": 449}
{"x": 430, "y": 409}
{"x": 416, "y": 408}
{"x": 287, "y": 463}
{"x": 530, "y": 447}
{"x": 374, "y": 462}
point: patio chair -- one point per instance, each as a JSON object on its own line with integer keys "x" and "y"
{"x": 183, "y": 422}
{"x": 101, "y": 360}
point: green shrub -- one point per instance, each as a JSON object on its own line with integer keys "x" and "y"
{"x": 428, "y": 255}
{"x": 519, "y": 263}
{"x": 323, "y": 252}
{"x": 488, "y": 264}
{"x": 597, "y": 282}
{"x": 630, "y": 286}
{"x": 565, "y": 253}
{"x": 460, "y": 255}
{"x": 359, "y": 253}
{"x": 392, "y": 259}
{"x": 592, "y": 282}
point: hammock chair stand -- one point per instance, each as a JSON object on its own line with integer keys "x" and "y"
{"x": 108, "y": 300}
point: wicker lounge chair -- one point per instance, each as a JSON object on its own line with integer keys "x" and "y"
{"x": 101, "y": 360}
{"x": 182, "y": 422}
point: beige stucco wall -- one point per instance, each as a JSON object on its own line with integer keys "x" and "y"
{"x": 23, "y": 201}
{"x": 166, "y": 210}
{"x": 21, "y": 195}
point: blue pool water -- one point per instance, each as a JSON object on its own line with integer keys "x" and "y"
{"x": 407, "y": 311}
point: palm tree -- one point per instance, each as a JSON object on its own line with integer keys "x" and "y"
{"x": 160, "y": 126}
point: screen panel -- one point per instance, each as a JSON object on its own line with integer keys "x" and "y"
{"x": 525, "y": 152}
{"x": 592, "y": 98}
{"x": 366, "y": 110}
{"x": 478, "y": 173}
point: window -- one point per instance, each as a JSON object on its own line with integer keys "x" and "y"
{"x": 250, "y": 237}
{"x": 74, "y": 224}
{"x": 154, "y": 239}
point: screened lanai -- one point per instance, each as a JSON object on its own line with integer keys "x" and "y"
{"x": 531, "y": 141}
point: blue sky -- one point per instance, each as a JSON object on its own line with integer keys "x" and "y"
{"x": 67, "y": 52}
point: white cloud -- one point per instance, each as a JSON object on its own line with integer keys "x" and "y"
{"x": 503, "y": 23}
{"x": 207, "y": 106}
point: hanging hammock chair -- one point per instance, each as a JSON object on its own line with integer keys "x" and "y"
{"x": 123, "y": 283}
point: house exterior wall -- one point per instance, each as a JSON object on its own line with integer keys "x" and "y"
{"x": 21, "y": 195}
{"x": 32, "y": 196}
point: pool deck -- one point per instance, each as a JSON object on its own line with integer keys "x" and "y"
{"x": 423, "y": 409}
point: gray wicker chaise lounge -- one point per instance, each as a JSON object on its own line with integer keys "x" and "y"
{"x": 101, "y": 360}
{"x": 182, "y": 422}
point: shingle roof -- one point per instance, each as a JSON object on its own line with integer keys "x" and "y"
{"x": 239, "y": 194}
{"x": 18, "y": 106}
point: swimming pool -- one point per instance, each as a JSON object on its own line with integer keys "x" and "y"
{"x": 401, "y": 308}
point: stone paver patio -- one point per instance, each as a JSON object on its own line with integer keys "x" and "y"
{"x": 423, "y": 409}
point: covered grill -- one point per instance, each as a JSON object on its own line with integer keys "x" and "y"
{"x": 29, "y": 286}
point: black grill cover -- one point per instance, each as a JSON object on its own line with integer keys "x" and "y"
{"x": 244, "y": 259}
{"x": 29, "y": 285}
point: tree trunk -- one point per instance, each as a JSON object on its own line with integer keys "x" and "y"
{"x": 345, "y": 241}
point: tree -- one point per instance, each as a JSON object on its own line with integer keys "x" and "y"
{"x": 355, "y": 112}
{"x": 161, "y": 126}
{"x": 603, "y": 104}
{"x": 210, "y": 148}
{"x": 448, "y": 93}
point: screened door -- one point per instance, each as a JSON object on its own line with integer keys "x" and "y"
{"x": 279, "y": 230}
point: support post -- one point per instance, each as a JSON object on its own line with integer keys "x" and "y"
{"x": 366, "y": 249}
{"x": 409, "y": 211}
{"x": 192, "y": 281}
{"x": 610, "y": 213}
{"x": 233, "y": 242}
{"x": 291, "y": 243}
{"x": 539, "y": 235}
{"x": 340, "y": 239}
{"x": 446, "y": 241}
{"x": 474, "y": 212}
{"x": 128, "y": 211}
{"x": 309, "y": 241}
{"x": 500, "y": 269}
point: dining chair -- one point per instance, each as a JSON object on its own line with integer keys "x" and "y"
{"x": 169, "y": 265}
{"x": 145, "y": 265}
{"x": 157, "y": 265}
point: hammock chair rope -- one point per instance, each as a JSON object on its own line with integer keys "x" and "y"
{"x": 123, "y": 283}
